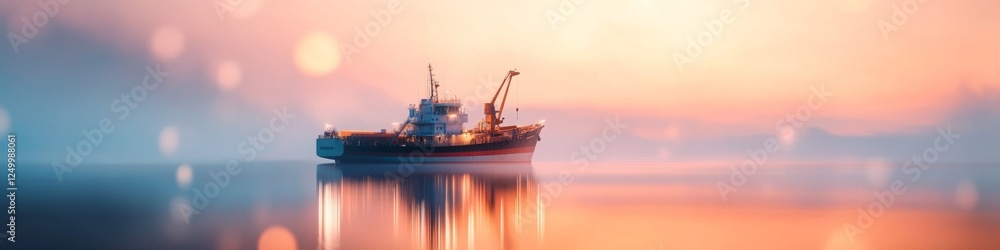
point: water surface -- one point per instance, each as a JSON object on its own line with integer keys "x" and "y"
{"x": 309, "y": 205}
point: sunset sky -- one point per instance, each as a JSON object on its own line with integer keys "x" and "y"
{"x": 357, "y": 65}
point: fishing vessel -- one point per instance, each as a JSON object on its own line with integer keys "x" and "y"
{"x": 434, "y": 131}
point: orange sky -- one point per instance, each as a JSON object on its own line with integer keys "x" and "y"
{"x": 615, "y": 57}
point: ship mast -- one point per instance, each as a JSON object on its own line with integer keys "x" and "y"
{"x": 433, "y": 84}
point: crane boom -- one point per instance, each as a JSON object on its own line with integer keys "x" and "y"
{"x": 492, "y": 114}
{"x": 504, "y": 101}
{"x": 395, "y": 137}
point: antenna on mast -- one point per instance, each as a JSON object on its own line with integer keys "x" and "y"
{"x": 433, "y": 84}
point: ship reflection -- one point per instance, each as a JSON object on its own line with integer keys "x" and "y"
{"x": 432, "y": 206}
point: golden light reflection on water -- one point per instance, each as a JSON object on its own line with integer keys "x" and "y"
{"x": 611, "y": 206}
{"x": 329, "y": 215}
{"x": 444, "y": 209}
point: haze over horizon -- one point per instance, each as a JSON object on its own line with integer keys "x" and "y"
{"x": 582, "y": 64}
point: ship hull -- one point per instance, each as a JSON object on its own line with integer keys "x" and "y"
{"x": 520, "y": 150}
{"x": 519, "y": 157}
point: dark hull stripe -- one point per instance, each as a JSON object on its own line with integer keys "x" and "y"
{"x": 451, "y": 154}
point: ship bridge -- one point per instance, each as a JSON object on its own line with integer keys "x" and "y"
{"x": 435, "y": 115}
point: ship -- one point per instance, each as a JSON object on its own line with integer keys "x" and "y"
{"x": 434, "y": 132}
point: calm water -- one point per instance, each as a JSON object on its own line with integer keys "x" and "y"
{"x": 306, "y": 205}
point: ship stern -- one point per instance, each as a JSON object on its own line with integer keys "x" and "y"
{"x": 330, "y": 148}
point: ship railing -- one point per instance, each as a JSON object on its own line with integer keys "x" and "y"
{"x": 514, "y": 134}
{"x": 449, "y": 100}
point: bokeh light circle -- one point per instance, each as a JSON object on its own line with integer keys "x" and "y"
{"x": 166, "y": 43}
{"x": 966, "y": 195}
{"x": 277, "y": 238}
{"x": 228, "y": 75}
{"x": 184, "y": 176}
{"x": 317, "y": 54}
{"x": 168, "y": 141}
